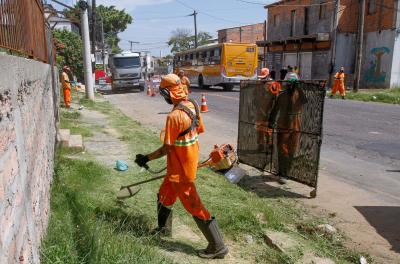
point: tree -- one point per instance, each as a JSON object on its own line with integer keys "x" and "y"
{"x": 182, "y": 39}
{"x": 114, "y": 21}
{"x": 69, "y": 51}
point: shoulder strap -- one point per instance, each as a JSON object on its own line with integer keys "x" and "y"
{"x": 195, "y": 117}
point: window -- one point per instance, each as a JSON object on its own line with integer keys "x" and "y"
{"x": 275, "y": 20}
{"x": 371, "y": 7}
{"x": 128, "y": 62}
{"x": 292, "y": 22}
{"x": 322, "y": 10}
{"x": 306, "y": 17}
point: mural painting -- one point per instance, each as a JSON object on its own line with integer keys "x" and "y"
{"x": 375, "y": 74}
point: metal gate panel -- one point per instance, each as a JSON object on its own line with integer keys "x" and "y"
{"x": 282, "y": 133}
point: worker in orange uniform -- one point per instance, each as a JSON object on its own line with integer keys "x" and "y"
{"x": 184, "y": 81}
{"x": 286, "y": 118}
{"x": 181, "y": 146}
{"x": 264, "y": 103}
{"x": 338, "y": 84}
{"x": 66, "y": 85}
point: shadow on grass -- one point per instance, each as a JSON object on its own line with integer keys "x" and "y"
{"x": 177, "y": 246}
{"x": 259, "y": 185}
{"x": 123, "y": 222}
{"x": 140, "y": 226}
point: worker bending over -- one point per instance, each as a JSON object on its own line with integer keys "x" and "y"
{"x": 181, "y": 146}
{"x": 338, "y": 84}
{"x": 66, "y": 85}
{"x": 184, "y": 81}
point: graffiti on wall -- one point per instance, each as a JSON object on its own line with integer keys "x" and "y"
{"x": 375, "y": 74}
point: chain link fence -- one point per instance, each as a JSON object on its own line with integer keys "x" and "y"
{"x": 280, "y": 127}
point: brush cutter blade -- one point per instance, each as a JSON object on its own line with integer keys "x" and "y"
{"x": 127, "y": 192}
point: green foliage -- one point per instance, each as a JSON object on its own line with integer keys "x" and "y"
{"x": 114, "y": 21}
{"x": 69, "y": 51}
{"x": 182, "y": 39}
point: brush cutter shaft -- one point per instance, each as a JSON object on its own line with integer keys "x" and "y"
{"x": 142, "y": 182}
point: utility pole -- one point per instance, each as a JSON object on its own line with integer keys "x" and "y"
{"x": 195, "y": 27}
{"x": 240, "y": 34}
{"x": 86, "y": 50}
{"x": 265, "y": 44}
{"x": 103, "y": 46}
{"x": 132, "y": 42}
{"x": 334, "y": 37}
{"x": 94, "y": 35}
{"x": 360, "y": 42}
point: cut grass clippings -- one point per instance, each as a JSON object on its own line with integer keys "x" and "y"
{"x": 389, "y": 96}
{"x": 87, "y": 226}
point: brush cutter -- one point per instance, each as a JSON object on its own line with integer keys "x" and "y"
{"x": 222, "y": 159}
{"x": 75, "y": 87}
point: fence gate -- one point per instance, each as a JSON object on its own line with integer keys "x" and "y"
{"x": 281, "y": 132}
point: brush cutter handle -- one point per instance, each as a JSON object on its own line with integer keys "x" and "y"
{"x": 142, "y": 182}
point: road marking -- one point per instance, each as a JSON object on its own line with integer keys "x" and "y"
{"x": 222, "y": 96}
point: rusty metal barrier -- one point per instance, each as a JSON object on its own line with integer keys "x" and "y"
{"x": 280, "y": 127}
{"x": 22, "y": 28}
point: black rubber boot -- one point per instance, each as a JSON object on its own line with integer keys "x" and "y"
{"x": 216, "y": 248}
{"x": 343, "y": 98}
{"x": 164, "y": 220}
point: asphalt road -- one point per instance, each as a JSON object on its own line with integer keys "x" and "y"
{"x": 361, "y": 141}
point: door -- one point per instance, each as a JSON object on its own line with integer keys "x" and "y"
{"x": 305, "y": 65}
{"x": 289, "y": 59}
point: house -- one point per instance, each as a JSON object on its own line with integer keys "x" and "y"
{"x": 245, "y": 34}
{"x": 57, "y": 20}
{"x": 302, "y": 33}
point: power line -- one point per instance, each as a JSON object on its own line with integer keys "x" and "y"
{"x": 289, "y": 5}
{"x": 185, "y": 5}
{"x": 162, "y": 18}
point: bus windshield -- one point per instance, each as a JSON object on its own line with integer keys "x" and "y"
{"x": 129, "y": 62}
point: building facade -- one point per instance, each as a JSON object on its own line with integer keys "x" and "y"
{"x": 301, "y": 33}
{"x": 245, "y": 34}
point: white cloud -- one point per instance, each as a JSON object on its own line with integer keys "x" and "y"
{"x": 132, "y": 4}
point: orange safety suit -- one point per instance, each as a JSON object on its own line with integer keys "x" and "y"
{"x": 182, "y": 160}
{"x": 185, "y": 83}
{"x": 289, "y": 106}
{"x": 338, "y": 84}
{"x": 264, "y": 103}
{"x": 66, "y": 89}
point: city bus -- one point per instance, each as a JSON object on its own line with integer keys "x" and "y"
{"x": 223, "y": 64}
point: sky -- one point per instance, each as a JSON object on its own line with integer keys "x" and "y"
{"x": 154, "y": 20}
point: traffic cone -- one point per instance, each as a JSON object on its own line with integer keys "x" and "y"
{"x": 204, "y": 107}
{"x": 149, "y": 93}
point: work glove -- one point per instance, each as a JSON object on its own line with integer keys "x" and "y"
{"x": 142, "y": 160}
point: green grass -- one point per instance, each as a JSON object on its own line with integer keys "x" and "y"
{"x": 389, "y": 96}
{"x": 70, "y": 120}
{"x": 87, "y": 226}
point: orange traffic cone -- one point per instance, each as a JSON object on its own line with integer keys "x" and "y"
{"x": 204, "y": 107}
{"x": 149, "y": 93}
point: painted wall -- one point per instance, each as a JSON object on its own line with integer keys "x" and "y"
{"x": 377, "y": 62}
{"x": 320, "y": 65}
{"x": 28, "y": 109}
{"x": 395, "y": 75}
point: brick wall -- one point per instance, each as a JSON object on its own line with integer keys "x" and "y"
{"x": 28, "y": 107}
{"x": 379, "y": 15}
{"x": 250, "y": 34}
